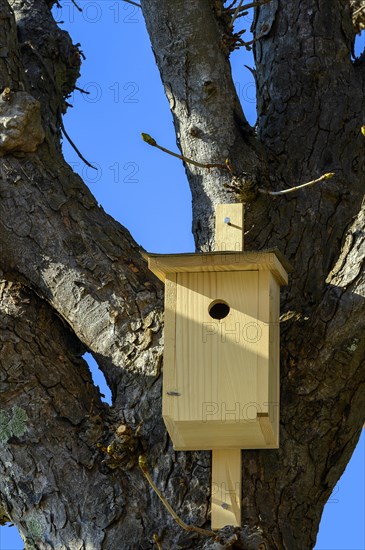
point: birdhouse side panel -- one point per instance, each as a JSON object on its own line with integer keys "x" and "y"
{"x": 169, "y": 372}
{"x": 274, "y": 356}
{"x": 269, "y": 361}
{"x": 264, "y": 343}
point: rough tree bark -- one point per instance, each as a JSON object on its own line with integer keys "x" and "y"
{"x": 73, "y": 279}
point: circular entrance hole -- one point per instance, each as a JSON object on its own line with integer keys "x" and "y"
{"x": 219, "y": 309}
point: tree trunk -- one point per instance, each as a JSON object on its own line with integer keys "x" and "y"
{"x": 74, "y": 280}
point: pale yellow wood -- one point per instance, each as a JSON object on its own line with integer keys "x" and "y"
{"x": 169, "y": 373}
{"x": 274, "y": 357}
{"x": 264, "y": 334}
{"x": 161, "y": 265}
{"x": 226, "y": 488}
{"x": 221, "y": 377}
{"x": 267, "y": 429}
{"x": 268, "y": 371}
{"x": 216, "y": 360}
{"x": 229, "y": 236}
{"x": 226, "y": 463}
{"x": 203, "y": 405}
{"x": 187, "y": 436}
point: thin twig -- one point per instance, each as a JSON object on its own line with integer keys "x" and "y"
{"x": 256, "y": 4}
{"x": 252, "y": 71}
{"x": 74, "y": 146}
{"x": 242, "y": 14}
{"x": 76, "y": 5}
{"x": 81, "y": 90}
{"x": 237, "y": 10}
{"x": 248, "y": 44}
{"x": 30, "y": 45}
{"x": 133, "y": 3}
{"x": 148, "y": 139}
{"x": 327, "y": 176}
{"x": 358, "y": 10}
{"x": 230, "y": 5}
{"x": 185, "y": 526}
{"x": 227, "y": 166}
{"x": 241, "y": 43}
{"x": 157, "y": 541}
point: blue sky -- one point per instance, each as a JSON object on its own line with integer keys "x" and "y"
{"x": 147, "y": 191}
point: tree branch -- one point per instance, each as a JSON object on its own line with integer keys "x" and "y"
{"x": 325, "y": 177}
{"x": 104, "y": 256}
{"x": 51, "y": 421}
{"x": 227, "y": 166}
{"x": 199, "y": 86}
{"x": 246, "y": 7}
{"x": 148, "y": 139}
{"x": 11, "y": 70}
{"x": 236, "y": 12}
{"x": 44, "y": 384}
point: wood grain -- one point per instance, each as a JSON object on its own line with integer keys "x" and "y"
{"x": 163, "y": 264}
{"x": 226, "y": 488}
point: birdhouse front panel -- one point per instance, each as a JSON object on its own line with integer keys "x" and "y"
{"x": 217, "y": 324}
{"x": 216, "y": 377}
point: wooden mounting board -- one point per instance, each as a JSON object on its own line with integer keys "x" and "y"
{"x": 226, "y": 463}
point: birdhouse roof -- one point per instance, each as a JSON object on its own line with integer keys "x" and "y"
{"x": 272, "y": 260}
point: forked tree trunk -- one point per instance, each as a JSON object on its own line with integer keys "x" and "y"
{"x": 72, "y": 280}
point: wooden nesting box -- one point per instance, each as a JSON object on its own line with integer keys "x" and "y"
{"x": 221, "y": 358}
